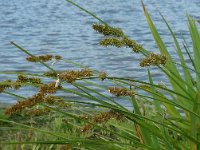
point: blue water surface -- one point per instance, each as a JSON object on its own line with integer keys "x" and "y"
{"x": 57, "y": 27}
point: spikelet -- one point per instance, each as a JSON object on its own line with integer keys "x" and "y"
{"x": 58, "y": 57}
{"x": 71, "y": 76}
{"x": 16, "y": 85}
{"x": 107, "y": 30}
{"x": 24, "y": 79}
{"x": 101, "y": 118}
{"x": 43, "y": 58}
{"x": 53, "y": 100}
{"x": 5, "y": 85}
{"x": 112, "y": 42}
{"x": 154, "y": 60}
{"x": 50, "y": 74}
{"x": 85, "y": 73}
{"x": 102, "y": 75}
{"x": 49, "y": 99}
{"x": 117, "y": 91}
{"x": 105, "y": 116}
{"x": 116, "y": 38}
{"x": 48, "y": 88}
{"x": 21, "y": 105}
{"x": 132, "y": 44}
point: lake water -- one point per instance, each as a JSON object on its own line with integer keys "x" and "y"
{"x": 57, "y": 27}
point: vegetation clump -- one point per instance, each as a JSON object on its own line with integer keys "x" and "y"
{"x": 73, "y": 110}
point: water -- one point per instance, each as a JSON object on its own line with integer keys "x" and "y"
{"x": 56, "y": 27}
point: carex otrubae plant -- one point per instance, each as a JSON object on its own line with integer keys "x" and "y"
{"x": 97, "y": 116}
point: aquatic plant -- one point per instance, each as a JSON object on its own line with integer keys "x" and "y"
{"x": 162, "y": 116}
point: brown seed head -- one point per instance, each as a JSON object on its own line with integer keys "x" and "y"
{"x": 43, "y": 58}
{"x": 58, "y": 57}
{"x": 24, "y": 79}
{"x": 154, "y": 60}
{"x": 105, "y": 116}
{"x": 71, "y": 76}
{"x": 48, "y": 88}
{"x": 121, "y": 91}
{"x": 49, "y": 99}
{"x": 21, "y": 105}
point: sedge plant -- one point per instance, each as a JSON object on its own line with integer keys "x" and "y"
{"x": 162, "y": 116}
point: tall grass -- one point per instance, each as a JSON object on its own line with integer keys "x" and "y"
{"x": 162, "y": 117}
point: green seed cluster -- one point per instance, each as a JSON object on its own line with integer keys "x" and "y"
{"x": 154, "y": 60}
{"x": 111, "y": 42}
{"x": 116, "y": 37}
{"x": 102, "y": 75}
{"x": 132, "y": 44}
{"x": 5, "y": 85}
{"x": 107, "y": 30}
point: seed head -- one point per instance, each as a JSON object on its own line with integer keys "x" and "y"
{"x": 105, "y": 116}
{"x": 121, "y": 91}
{"x": 16, "y": 85}
{"x": 58, "y": 57}
{"x": 107, "y": 30}
{"x": 132, "y": 44}
{"x": 24, "y": 79}
{"x": 43, "y": 58}
{"x": 5, "y": 85}
{"x": 48, "y": 88}
{"x": 71, "y": 76}
{"x": 154, "y": 60}
{"x": 102, "y": 75}
{"x": 21, "y": 105}
{"x": 50, "y": 74}
{"x": 111, "y": 42}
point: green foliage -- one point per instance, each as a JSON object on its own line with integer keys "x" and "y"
{"x": 162, "y": 117}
